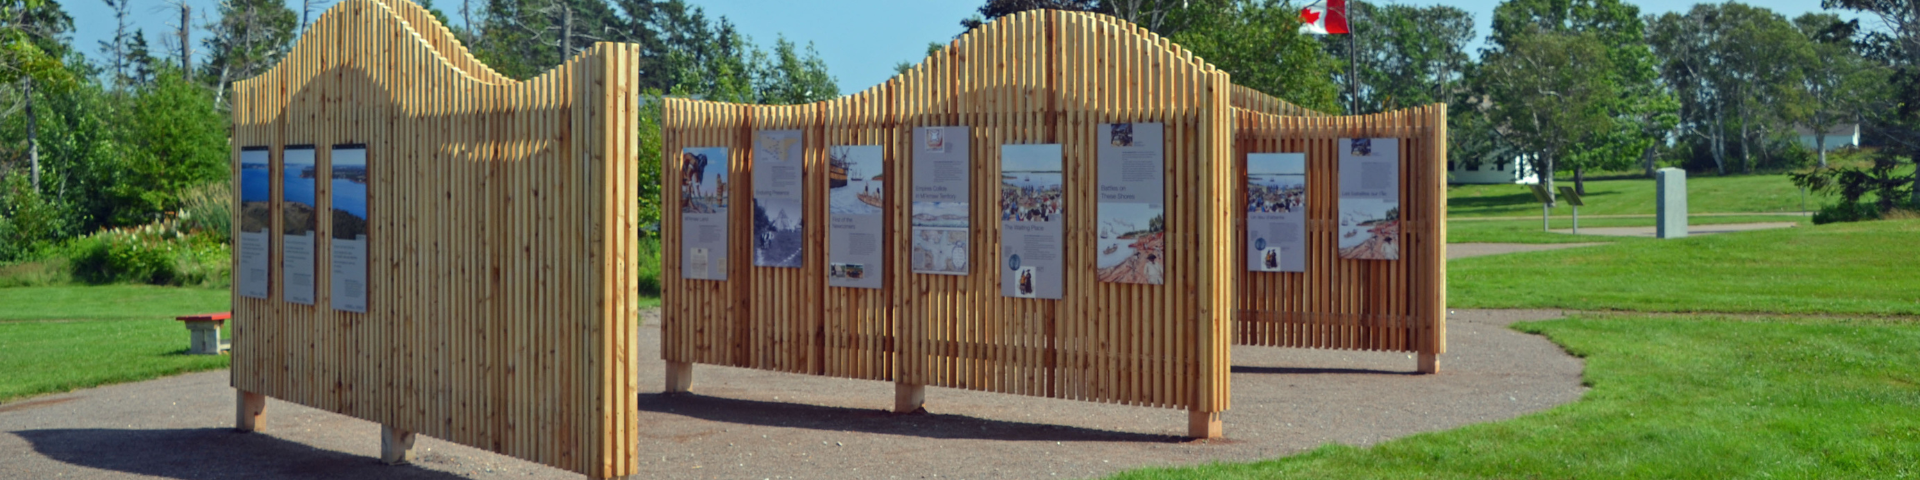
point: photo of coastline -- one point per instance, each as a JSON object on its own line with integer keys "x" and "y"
{"x": 349, "y": 189}
{"x": 1369, "y": 229}
{"x": 297, "y": 192}
{"x": 777, "y": 238}
{"x": 940, "y": 214}
{"x": 703, "y": 180}
{"x": 256, "y": 193}
{"x": 1132, "y": 245}
{"x": 940, "y": 250}
{"x": 856, "y": 179}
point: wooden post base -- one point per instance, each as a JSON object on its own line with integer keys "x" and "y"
{"x": 1203, "y": 424}
{"x": 247, "y": 409}
{"x": 909, "y": 398}
{"x": 395, "y": 445}
{"x": 1429, "y": 363}
{"x": 679, "y": 376}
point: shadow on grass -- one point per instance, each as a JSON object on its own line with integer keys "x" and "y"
{"x": 1314, "y": 371}
{"x": 208, "y": 453}
{"x": 925, "y": 425}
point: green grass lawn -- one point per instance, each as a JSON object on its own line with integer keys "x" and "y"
{"x": 56, "y": 339}
{"x": 1528, "y": 231}
{"x": 108, "y": 302}
{"x": 1635, "y": 196}
{"x": 1674, "y": 397}
{"x": 1853, "y": 268}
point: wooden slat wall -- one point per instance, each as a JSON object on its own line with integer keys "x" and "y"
{"x": 501, "y": 260}
{"x": 1350, "y": 304}
{"x": 1245, "y": 98}
{"x": 1035, "y": 77}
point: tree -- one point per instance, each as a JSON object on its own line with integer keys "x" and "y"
{"x": 32, "y": 42}
{"x": 1550, "y": 91}
{"x": 1836, "y": 81}
{"x": 1618, "y": 28}
{"x": 1258, "y": 42}
{"x": 250, "y": 37}
{"x": 1407, "y": 56}
{"x": 1896, "y": 45}
{"x": 994, "y": 9}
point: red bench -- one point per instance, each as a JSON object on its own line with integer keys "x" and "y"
{"x": 205, "y": 330}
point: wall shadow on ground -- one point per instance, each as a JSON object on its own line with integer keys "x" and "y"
{"x": 837, "y": 419}
{"x": 208, "y": 453}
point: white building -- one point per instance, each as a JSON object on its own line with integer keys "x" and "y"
{"x": 1513, "y": 170}
{"x": 1840, "y": 136}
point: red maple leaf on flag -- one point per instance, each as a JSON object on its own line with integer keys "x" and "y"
{"x": 1307, "y": 15}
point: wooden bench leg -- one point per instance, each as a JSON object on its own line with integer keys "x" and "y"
{"x": 1203, "y": 424}
{"x": 679, "y": 376}
{"x": 247, "y": 409}
{"x": 1429, "y": 363}
{"x": 395, "y": 444}
{"x": 909, "y": 398}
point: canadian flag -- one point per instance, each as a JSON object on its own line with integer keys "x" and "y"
{"x": 1325, "y": 17}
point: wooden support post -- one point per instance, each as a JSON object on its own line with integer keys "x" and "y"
{"x": 247, "y": 408}
{"x": 1429, "y": 362}
{"x": 394, "y": 445}
{"x": 1203, "y": 424}
{"x": 908, "y": 398}
{"x": 679, "y": 376}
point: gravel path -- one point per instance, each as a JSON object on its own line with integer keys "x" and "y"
{"x": 1649, "y": 232}
{"x": 750, "y": 424}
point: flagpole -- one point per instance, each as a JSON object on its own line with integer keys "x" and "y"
{"x": 1353, "y": 60}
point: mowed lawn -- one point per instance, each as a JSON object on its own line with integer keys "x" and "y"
{"x": 1674, "y": 397}
{"x": 1636, "y": 196}
{"x": 56, "y": 339}
{"x": 1866, "y": 268}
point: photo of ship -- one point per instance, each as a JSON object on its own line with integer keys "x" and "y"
{"x": 856, "y": 175}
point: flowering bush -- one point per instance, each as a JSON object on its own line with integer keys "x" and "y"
{"x": 160, "y": 253}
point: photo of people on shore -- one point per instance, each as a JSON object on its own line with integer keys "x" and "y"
{"x": 703, "y": 180}
{"x": 298, "y": 208}
{"x": 1276, "y": 184}
{"x": 855, "y": 179}
{"x": 256, "y": 193}
{"x": 349, "y": 187}
{"x": 1132, "y": 246}
{"x": 1030, "y": 189}
{"x": 1369, "y": 229}
{"x": 777, "y": 238}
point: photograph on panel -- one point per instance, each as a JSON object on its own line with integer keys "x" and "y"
{"x": 349, "y": 187}
{"x": 777, "y": 233}
{"x": 703, "y": 180}
{"x": 256, "y": 192}
{"x": 297, "y": 189}
{"x": 940, "y": 250}
{"x": 1132, "y": 246}
{"x": 1031, "y": 189}
{"x": 1369, "y": 228}
{"x": 854, "y": 177}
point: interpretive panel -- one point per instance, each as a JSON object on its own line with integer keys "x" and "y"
{"x": 856, "y": 176}
{"x": 1277, "y": 212}
{"x": 1132, "y": 223}
{"x": 778, "y": 227}
{"x": 703, "y": 213}
{"x": 1369, "y": 198}
{"x": 298, "y": 212}
{"x": 348, "y": 191}
{"x": 255, "y": 240}
{"x": 1032, "y": 187}
{"x": 941, "y": 177}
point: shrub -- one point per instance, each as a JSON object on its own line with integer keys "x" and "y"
{"x": 207, "y": 210}
{"x": 1846, "y": 212}
{"x": 159, "y": 254}
{"x": 649, "y": 266}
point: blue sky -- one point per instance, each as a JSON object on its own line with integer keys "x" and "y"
{"x": 861, "y": 40}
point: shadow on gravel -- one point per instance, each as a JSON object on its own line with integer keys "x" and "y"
{"x": 208, "y": 453}
{"x": 927, "y": 425}
{"x": 1302, "y": 371}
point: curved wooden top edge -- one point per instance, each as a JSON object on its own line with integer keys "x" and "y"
{"x": 442, "y": 40}
{"x": 1007, "y": 30}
